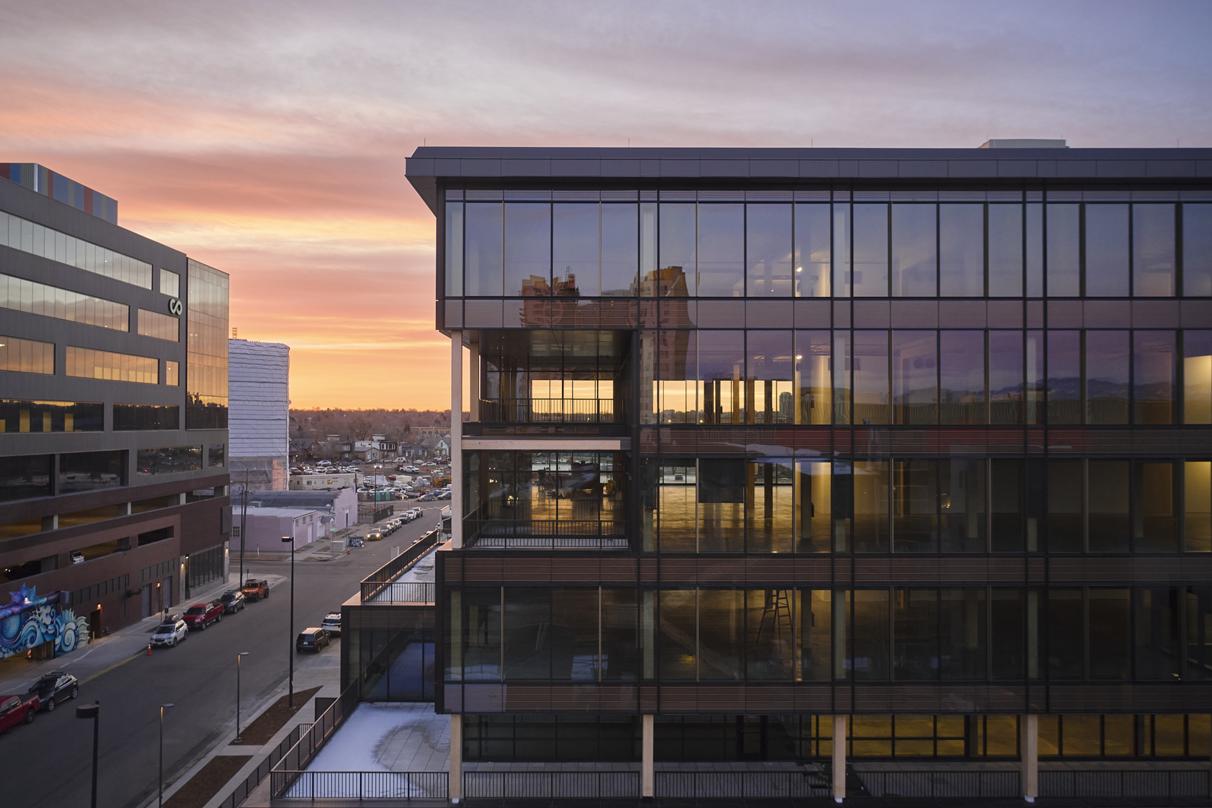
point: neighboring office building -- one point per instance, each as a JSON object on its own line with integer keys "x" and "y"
{"x": 113, "y": 409}
{"x": 259, "y": 374}
{"x": 794, "y": 454}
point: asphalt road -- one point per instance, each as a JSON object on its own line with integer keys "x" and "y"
{"x": 48, "y": 763}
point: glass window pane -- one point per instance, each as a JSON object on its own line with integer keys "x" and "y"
{"x": 1197, "y": 250}
{"x": 962, "y": 624}
{"x": 914, "y": 251}
{"x": 1006, "y": 404}
{"x": 1064, "y": 495}
{"x": 574, "y": 634}
{"x": 1064, "y": 252}
{"x": 721, "y": 250}
{"x": 453, "y": 249}
{"x": 843, "y": 366}
{"x": 1107, "y": 380}
{"x": 620, "y": 249}
{"x": 769, "y": 500}
{"x": 1153, "y": 250}
{"x": 677, "y": 250}
{"x": 1005, "y": 250}
{"x": 770, "y": 372}
{"x": 962, "y": 250}
{"x": 769, "y": 635}
{"x": 1153, "y": 376}
{"x": 915, "y": 500}
{"x": 721, "y": 371}
{"x": 527, "y": 249}
{"x": 1156, "y": 613}
{"x": 482, "y": 639}
{"x": 812, "y": 250}
{"x": 576, "y": 246}
{"x": 1064, "y": 377}
{"x": 1197, "y": 506}
{"x": 1156, "y": 507}
{"x": 1007, "y": 505}
{"x": 1065, "y": 640}
{"x": 813, "y": 506}
{"x": 870, "y": 368}
{"x": 961, "y": 499}
{"x": 1035, "y": 249}
{"x": 1197, "y": 377}
{"x": 721, "y": 634}
{"x": 962, "y": 377}
{"x": 869, "y": 276}
{"x": 915, "y": 377}
{"x": 841, "y": 250}
{"x": 1107, "y": 250}
{"x": 483, "y": 251}
{"x": 1007, "y": 613}
{"x": 869, "y": 658}
{"x": 815, "y": 620}
{"x": 871, "y": 517}
{"x": 1109, "y": 524}
{"x": 1110, "y": 634}
{"x": 915, "y": 635}
{"x": 812, "y": 377}
{"x": 620, "y": 635}
{"x": 721, "y": 505}
{"x": 678, "y": 625}
{"x": 768, "y": 245}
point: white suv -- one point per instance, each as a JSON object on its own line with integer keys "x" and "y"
{"x": 169, "y": 634}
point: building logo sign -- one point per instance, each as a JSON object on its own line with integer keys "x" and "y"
{"x": 174, "y": 306}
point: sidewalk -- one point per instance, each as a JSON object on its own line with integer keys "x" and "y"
{"x": 102, "y": 655}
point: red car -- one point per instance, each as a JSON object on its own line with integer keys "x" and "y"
{"x": 201, "y": 615}
{"x": 16, "y": 710}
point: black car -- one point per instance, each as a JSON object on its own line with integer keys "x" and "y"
{"x": 55, "y": 687}
{"x": 233, "y": 601}
{"x": 311, "y": 639}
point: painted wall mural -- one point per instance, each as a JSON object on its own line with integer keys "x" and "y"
{"x": 29, "y": 620}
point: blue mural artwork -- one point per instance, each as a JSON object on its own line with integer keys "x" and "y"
{"x": 30, "y": 620}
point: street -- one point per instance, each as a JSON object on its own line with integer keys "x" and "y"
{"x": 48, "y": 763}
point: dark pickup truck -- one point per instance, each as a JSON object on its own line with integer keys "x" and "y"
{"x": 255, "y": 589}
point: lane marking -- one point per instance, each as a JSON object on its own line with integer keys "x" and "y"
{"x": 112, "y": 667}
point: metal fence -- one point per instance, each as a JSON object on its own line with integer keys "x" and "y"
{"x": 742, "y": 785}
{"x": 545, "y": 534}
{"x": 547, "y": 411}
{"x": 245, "y": 787}
{"x": 365, "y": 786}
{"x": 535, "y": 785}
{"x": 1126, "y": 783}
{"x": 297, "y": 757}
{"x": 406, "y": 592}
{"x": 939, "y": 783}
{"x": 387, "y": 574}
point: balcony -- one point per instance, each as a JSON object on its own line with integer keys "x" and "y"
{"x": 544, "y": 534}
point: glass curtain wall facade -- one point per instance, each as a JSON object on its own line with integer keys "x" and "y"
{"x": 932, "y": 456}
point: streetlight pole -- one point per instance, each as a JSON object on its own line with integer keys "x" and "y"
{"x": 92, "y": 711}
{"x": 290, "y": 698}
{"x": 243, "y": 518}
{"x": 164, "y": 708}
{"x": 378, "y": 475}
{"x": 241, "y": 654}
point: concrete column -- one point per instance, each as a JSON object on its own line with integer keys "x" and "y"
{"x": 839, "y": 758}
{"x": 456, "y": 758}
{"x": 1029, "y": 756}
{"x": 456, "y": 439}
{"x": 647, "y": 770}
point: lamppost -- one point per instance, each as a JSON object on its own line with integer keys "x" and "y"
{"x": 378, "y": 476}
{"x": 290, "y": 698}
{"x": 241, "y": 654}
{"x": 92, "y": 711}
{"x": 164, "y": 708}
{"x": 243, "y": 519}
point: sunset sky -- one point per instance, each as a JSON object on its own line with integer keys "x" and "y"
{"x": 268, "y": 139}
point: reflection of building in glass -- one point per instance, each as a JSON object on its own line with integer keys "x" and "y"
{"x": 113, "y": 398}
{"x": 799, "y": 468}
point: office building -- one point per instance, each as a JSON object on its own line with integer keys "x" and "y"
{"x": 113, "y": 409}
{"x": 259, "y": 417}
{"x": 826, "y": 454}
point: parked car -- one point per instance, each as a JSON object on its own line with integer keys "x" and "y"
{"x": 332, "y": 624}
{"x": 233, "y": 601}
{"x": 170, "y": 633}
{"x": 16, "y": 710}
{"x": 201, "y": 615}
{"x": 356, "y": 541}
{"x": 255, "y": 589}
{"x": 374, "y": 535}
{"x": 54, "y": 687}
{"x": 311, "y": 639}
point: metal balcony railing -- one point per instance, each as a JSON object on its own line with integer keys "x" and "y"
{"x": 548, "y": 411}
